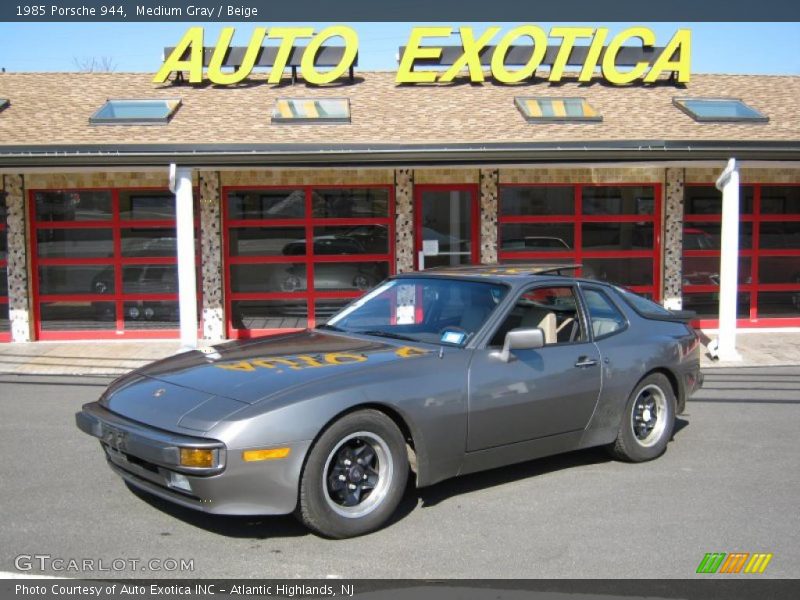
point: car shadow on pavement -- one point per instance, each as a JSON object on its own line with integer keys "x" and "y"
{"x": 465, "y": 484}
{"x": 277, "y": 526}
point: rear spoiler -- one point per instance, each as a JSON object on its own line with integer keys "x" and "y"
{"x": 674, "y": 316}
{"x": 683, "y": 316}
{"x": 557, "y": 269}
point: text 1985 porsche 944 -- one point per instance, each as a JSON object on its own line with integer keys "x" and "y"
{"x": 438, "y": 373}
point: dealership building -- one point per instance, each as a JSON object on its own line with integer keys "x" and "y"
{"x": 301, "y": 197}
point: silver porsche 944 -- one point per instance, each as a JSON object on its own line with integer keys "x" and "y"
{"x": 429, "y": 375}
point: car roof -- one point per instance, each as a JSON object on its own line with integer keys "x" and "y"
{"x": 505, "y": 273}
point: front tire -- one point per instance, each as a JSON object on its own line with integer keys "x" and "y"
{"x": 354, "y": 477}
{"x": 647, "y": 422}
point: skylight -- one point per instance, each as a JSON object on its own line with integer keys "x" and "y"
{"x": 556, "y": 109}
{"x": 311, "y": 110}
{"x": 722, "y": 110}
{"x": 135, "y": 112}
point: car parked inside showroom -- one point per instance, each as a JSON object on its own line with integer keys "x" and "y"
{"x": 431, "y": 375}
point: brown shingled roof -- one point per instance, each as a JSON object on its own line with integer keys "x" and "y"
{"x": 54, "y": 108}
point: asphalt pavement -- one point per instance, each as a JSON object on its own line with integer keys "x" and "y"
{"x": 728, "y": 483}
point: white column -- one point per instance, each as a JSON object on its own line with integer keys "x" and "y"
{"x": 180, "y": 182}
{"x": 728, "y": 184}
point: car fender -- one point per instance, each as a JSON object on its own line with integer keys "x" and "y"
{"x": 433, "y": 410}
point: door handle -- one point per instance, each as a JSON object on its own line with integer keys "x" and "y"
{"x": 585, "y": 361}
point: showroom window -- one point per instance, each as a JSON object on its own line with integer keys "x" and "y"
{"x": 769, "y": 253}
{"x": 105, "y": 263}
{"x": 611, "y": 230}
{"x": 5, "y": 326}
{"x": 295, "y": 256}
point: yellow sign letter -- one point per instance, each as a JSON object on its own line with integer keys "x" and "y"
{"x": 406, "y": 72}
{"x": 499, "y": 71}
{"x": 192, "y": 40}
{"x": 682, "y": 42}
{"x": 289, "y": 35}
{"x": 215, "y": 72}
{"x": 568, "y": 35}
{"x": 307, "y": 64}
{"x": 610, "y": 71}
{"x": 593, "y": 55}
{"x": 472, "y": 54}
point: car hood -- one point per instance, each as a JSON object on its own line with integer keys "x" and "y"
{"x": 167, "y": 406}
{"x": 198, "y": 389}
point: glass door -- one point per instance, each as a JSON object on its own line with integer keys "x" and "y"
{"x": 446, "y": 226}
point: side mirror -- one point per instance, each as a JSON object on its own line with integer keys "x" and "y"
{"x": 521, "y": 339}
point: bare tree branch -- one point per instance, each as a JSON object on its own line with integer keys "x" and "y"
{"x": 104, "y": 64}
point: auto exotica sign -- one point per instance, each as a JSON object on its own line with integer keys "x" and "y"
{"x": 424, "y": 48}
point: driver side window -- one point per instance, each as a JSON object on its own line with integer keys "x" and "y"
{"x": 553, "y": 309}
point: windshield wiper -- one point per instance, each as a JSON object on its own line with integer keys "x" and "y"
{"x": 388, "y": 334}
{"x": 329, "y": 327}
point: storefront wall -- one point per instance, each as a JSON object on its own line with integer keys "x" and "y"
{"x": 631, "y": 219}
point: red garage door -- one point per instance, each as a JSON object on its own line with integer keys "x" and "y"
{"x": 294, "y": 256}
{"x": 769, "y": 254}
{"x": 612, "y": 230}
{"x": 104, "y": 263}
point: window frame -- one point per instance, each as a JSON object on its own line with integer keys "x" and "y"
{"x": 753, "y": 253}
{"x": 584, "y": 287}
{"x": 97, "y": 120}
{"x": 277, "y": 118}
{"x": 117, "y": 261}
{"x": 520, "y": 102}
{"x": 576, "y": 219}
{"x": 309, "y": 258}
{"x": 492, "y": 327}
{"x": 679, "y": 102}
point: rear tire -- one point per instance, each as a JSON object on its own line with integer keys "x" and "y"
{"x": 355, "y": 476}
{"x": 647, "y": 422}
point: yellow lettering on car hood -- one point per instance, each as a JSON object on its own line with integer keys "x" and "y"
{"x": 298, "y": 362}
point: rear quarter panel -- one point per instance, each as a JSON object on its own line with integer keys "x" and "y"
{"x": 627, "y": 357}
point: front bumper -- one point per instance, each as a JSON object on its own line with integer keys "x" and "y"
{"x": 149, "y": 459}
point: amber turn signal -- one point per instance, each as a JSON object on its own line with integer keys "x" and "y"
{"x": 197, "y": 457}
{"x": 265, "y": 454}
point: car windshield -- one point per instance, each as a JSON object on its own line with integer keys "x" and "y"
{"x": 442, "y": 311}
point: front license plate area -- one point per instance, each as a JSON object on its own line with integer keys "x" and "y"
{"x": 116, "y": 439}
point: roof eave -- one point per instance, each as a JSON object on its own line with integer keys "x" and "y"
{"x": 394, "y": 155}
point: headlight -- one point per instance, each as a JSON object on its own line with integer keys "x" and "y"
{"x": 203, "y": 458}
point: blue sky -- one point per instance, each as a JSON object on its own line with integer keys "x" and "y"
{"x": 770, "y": 48}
